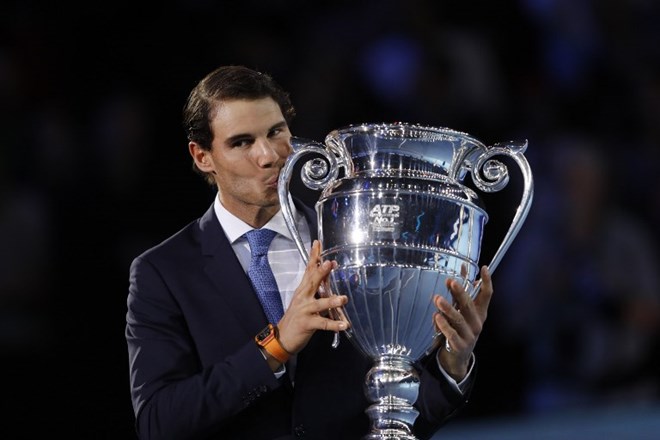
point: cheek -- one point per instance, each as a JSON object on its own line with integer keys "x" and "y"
{"x": 238, "y": 174}
{"x": 231, "y": 163}
{"x": 232, "y": 184}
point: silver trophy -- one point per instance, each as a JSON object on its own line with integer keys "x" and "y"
{"x": 396, "y": 218}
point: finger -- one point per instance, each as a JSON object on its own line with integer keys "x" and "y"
{"x": 461, "y": 297}
{"x": 466, "y": 308}
{"x": 451, "y": 334}
{"x": 315, "y": 272}
{"x": 451, "y": 316}
{"x": 482, "y": 300}
{"x": 324, "y": 304}
{"x": 321, "y": 323}
{"x": 312, "y": 279}
{"x": 314, "y": 254}
{"x": 464, "y": 317}
{"x": 316, "y": 262}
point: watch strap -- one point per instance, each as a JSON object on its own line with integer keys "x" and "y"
{"x": 272, "y": 344}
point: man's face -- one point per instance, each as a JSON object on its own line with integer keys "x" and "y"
{"x": 251, "y": 141}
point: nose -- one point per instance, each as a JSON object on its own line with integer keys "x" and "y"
{"x": 266, "y": 152}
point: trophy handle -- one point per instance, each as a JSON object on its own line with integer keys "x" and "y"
{"x": 490, "y": 175}
{"x": 316, "y": 174}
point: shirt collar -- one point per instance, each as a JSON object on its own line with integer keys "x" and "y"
{"x": 234, "y": 227}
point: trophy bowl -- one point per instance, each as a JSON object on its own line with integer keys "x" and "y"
{"x": 396, "y": 217}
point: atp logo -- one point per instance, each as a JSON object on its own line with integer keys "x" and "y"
{"x": 384, "y": 218}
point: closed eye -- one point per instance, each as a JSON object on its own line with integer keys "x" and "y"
{"x": 245, "y": 139}
{"x": 242, "y": 141}
{"x": 277, "y": 129}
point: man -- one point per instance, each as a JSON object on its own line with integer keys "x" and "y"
{"x": 196, "y": 369}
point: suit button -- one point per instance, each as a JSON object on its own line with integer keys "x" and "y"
{"x": 299, "y": 431}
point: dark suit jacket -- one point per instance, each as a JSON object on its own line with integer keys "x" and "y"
{"x": 196, "y": 372}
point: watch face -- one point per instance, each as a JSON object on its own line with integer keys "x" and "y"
{"x": 263, "y": 334}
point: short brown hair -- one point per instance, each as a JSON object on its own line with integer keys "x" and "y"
{"x": 228, "y": 83}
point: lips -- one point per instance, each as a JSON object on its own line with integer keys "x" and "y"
{"x": 273, "y": 181}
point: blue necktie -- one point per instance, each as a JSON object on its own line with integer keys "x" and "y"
{"x": 261, "y": 274}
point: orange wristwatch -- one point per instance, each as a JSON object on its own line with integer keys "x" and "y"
{"x": 268, "y": 339}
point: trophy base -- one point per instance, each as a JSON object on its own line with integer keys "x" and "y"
{"x": 391, "y": 422}
{"x": 387, "y": 435}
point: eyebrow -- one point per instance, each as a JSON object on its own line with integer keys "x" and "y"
{"x": 242, "y": 136}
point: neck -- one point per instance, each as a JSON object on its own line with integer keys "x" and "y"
{"x": 259, "y": 218}
{"x": 253, "y": 215}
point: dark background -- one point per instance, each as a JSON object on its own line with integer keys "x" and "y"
{"x": 94, "y": 165}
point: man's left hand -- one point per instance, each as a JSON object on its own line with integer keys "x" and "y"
{"x": 461, "y": 324}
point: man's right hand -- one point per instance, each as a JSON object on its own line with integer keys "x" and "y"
{"x": 307, "y": 313}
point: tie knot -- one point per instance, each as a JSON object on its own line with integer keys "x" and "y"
{"x": 259, "y": 240}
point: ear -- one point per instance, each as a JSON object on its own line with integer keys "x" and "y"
{"x": 201, "y": 157}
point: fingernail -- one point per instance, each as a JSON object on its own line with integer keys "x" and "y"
{"x": 342, "y": 326}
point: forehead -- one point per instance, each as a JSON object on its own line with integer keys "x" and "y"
{"x": 245, "y": 116}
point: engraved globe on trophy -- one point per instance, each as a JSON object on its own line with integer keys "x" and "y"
{"x": 396, "y": 217}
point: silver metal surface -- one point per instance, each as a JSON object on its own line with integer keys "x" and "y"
{"x": 395, "y": 216}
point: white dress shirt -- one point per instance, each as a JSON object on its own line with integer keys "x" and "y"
{"x": 283, "y": 255}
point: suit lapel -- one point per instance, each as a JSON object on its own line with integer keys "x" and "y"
{"x": 226, "y": 273}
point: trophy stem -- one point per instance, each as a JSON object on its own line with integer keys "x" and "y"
{"x": 392, "y": 385}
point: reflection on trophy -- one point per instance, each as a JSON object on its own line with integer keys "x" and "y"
{"x": 395, "y": 216}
